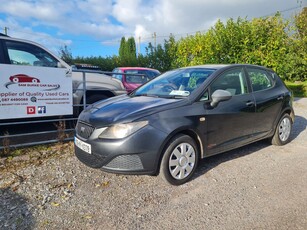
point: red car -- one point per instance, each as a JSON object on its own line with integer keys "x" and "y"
{"x": 20, "y": 78}
{"x": 135, "y": 76}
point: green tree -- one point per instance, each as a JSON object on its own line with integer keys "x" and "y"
{"x": 65, "y": 54}
{"x": 297, "y": 57}
{"x": 262, "y": 41}
{"x": 161, "y": 57}
{"x": 131, "y": 51}
{"x": 105, "y": 63}
{"x": 127, "y": 52}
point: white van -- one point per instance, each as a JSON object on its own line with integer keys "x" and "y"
{"x": 36, "y": 83}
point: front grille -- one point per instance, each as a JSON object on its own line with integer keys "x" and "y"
{"x": 126, "y": 162}
{"x": 84, "y": 130}
{"x": 93, "y": 161}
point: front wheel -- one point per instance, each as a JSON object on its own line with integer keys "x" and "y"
{"x": 180, "y": 160}
{"x": 283, "y": 130}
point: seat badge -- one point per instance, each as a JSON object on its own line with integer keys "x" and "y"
{"x": 202, "y": 119}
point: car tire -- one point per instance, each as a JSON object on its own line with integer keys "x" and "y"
{"x": 282, "y": 131}
{"x": 179, "y": 160}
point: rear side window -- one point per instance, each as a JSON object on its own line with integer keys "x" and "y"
{"x": 260, "y": 79}
{"x": 27, "y": 54}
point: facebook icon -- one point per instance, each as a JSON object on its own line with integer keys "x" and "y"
{"x": 41, "y": 109}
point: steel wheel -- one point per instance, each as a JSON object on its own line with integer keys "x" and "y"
{"x": 180, "y": 160}
{"x": 283, "y": 130}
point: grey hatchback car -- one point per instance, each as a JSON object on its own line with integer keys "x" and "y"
{"x": 171, "y": 122}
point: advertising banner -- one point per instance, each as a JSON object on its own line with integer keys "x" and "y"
{"x": 30, "y": 91}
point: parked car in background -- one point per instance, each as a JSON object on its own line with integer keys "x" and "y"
{"x": 168, "y": 124}
{"x": 135, "y": 76}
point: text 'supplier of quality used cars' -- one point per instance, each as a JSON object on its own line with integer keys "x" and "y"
{"x": 171, "y": 122}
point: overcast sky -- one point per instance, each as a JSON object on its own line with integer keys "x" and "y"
{"x": 95, "y": 27}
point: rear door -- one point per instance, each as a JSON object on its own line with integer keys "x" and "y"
{"x": 268, "y": 99}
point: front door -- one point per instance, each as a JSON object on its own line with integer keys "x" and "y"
{"x": 230, "y": 123}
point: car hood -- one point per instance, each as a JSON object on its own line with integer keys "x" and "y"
{"x": 125, "y": 109}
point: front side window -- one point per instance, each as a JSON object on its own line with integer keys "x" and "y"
{"x": 27, "y": 54}
{"x": 260, "y": 79}
{"x": 232, "y": 81}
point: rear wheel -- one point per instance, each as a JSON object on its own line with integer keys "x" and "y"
{"x": 283, "y": 130}
{"x": 180, "y": 160}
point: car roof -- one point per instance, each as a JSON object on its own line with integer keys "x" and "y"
{"x": 135, "y": 68}
{"x": 6, "y": 37}
{"x": 220, "y": 66}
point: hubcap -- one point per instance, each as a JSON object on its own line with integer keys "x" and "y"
{"x": 284, "y": 129}
{"x": 182, "y": 161}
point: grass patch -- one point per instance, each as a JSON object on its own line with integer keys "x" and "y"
{"x": 299, "y": 89}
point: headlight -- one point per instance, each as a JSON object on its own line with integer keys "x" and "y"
{"x": 122, "y": 130}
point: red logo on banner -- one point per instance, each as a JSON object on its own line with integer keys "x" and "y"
{"x": 30, "y": 109}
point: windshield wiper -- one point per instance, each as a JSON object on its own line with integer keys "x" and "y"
{"x": 172, "y": 96}
{"x": 139, "y": 95}
{"x": 145, "y": 95}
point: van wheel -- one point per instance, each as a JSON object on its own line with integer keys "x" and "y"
{"x": 180, "y": 160}
{"x": 282, "y": 131}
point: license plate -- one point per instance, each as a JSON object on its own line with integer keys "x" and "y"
{"x": 82, "y": 145}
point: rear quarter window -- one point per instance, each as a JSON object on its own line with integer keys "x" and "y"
{"x": 260, "y": 79}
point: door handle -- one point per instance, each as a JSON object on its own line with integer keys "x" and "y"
{"x": 280, "y": 97}
{"x": 250, "y": 103}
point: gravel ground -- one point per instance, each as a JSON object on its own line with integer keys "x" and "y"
{"x": 258, "y": 186}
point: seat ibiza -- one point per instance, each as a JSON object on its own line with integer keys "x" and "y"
{"x": 171, "y": 122}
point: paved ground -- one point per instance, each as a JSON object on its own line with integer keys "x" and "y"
{"x": 255, "y": 187}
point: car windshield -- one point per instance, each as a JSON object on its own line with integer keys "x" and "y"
{"x": 175, "y": 84}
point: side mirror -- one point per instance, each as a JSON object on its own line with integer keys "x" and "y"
{"x": 218, "y": 96}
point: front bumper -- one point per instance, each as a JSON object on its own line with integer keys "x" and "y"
{"x": 138, "y": 153}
